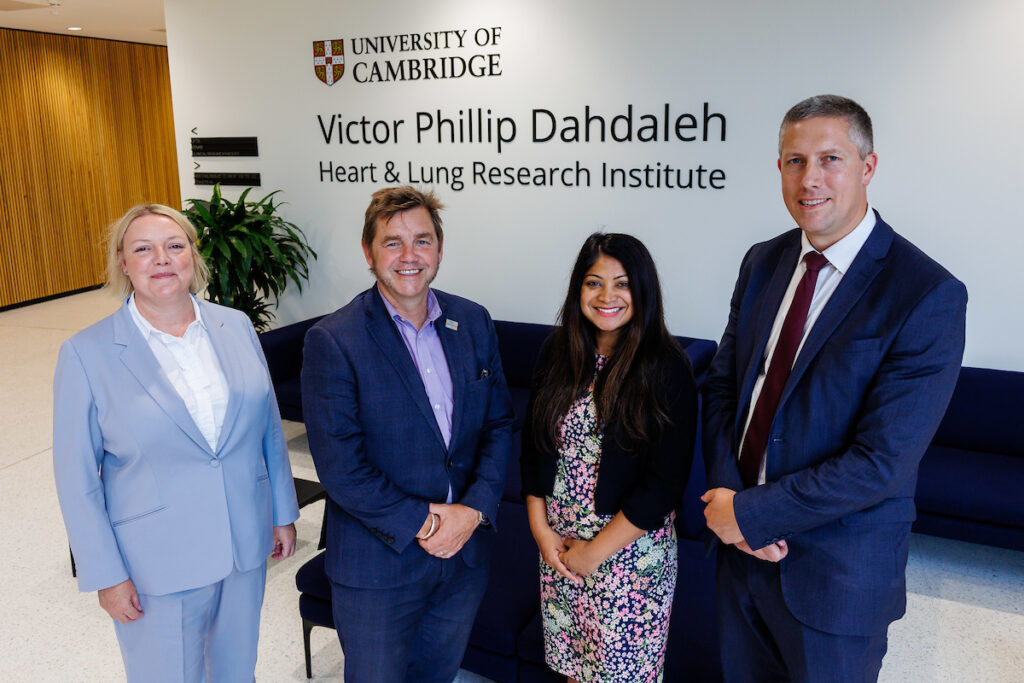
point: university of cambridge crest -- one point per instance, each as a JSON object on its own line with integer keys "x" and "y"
{"x": 329, "y": 60}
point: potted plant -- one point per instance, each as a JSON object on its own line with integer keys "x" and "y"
{"x": 251, "y": 251}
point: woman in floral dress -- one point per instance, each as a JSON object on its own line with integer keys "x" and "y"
{"x": 607, "y": 448}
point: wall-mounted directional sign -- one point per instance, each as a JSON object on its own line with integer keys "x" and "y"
{"x": 225, "y": 147}
{"x": 246, "y": 179}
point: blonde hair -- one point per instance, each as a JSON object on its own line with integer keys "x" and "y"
{"x": 118, "y": 282}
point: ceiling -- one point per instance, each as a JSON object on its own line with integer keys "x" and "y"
{"x": 135, "y": 21}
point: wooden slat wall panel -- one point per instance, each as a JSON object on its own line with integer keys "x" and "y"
{"x": 86, "y": 131}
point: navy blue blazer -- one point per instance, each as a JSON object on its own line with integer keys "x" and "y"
{"x": 376, "y": 444}
{"x": 863, "y": 401}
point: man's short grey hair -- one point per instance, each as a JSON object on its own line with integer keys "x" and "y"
{"x": 836, "y": 107}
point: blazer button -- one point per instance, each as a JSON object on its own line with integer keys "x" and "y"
{"x": 214, "y": 463}
{"x": 451, "y": 463}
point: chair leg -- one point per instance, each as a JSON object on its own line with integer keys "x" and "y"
{"x": 74, "y": 569}
{"x": 307, "y": 626}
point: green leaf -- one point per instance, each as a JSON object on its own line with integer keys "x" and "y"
{"x": 241, "y": 246}
{"x": 251, "y": 250}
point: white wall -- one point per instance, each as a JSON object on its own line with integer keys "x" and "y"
{"x": 941, "y": 79}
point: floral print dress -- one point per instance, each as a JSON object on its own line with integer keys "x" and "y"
{"x": 613, "y": 628}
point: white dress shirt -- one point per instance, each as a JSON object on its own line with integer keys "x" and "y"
{"x": 840, "y": 257}
{"x": 191, "y": 365}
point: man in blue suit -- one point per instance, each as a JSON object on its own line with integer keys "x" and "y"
{"x": 842, "y": 349}
{"x": 409, "y": 423}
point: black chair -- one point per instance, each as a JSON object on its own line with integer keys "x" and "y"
{"x": 308, "y": 491}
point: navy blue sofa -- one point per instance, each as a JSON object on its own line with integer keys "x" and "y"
{"x": 969, "y": 488}
{"x": 970, "y": 485}
{"x": 507, "y": 643}
{"x": 283, "y": 349}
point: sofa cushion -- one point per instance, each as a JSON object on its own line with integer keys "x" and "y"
{"x": 690, "y": 521}
{"x": 700, "y": 351}
{"x": 514, "y": 480}
{"x": 971, "y": 484}
{"x": 311, "y": 578}
{"x": 283, "y": 349}
{"x": 289, "y": 398}
{"x": 492, "y": 666}
{"x": 693, "y": 644}
{"x": 513, "y": 591}
{"x": 984, "y": 413}
{"x": 519, "y": 344}
{"x": 538, "y": 673}
{"x": 520, "y": 397}
{"x": 316, "y": 610}
{"x": 998, "y": 535}
{"x": 531, "y": 640}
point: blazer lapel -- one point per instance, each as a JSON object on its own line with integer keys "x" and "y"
{"x": 767, "y": 310}
{"x": 229, "y": 364}
{"x": 865, "y": 267}
{"x": 456, "y": 349}
{"x": 384, "y": 333}
{"x": 140, "y": 361}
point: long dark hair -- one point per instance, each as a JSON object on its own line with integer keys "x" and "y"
{"x": 628, "y": 390}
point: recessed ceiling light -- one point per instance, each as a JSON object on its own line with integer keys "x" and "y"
{"x": 74, "y": 28}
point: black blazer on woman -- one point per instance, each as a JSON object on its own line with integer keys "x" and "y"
{"x": 647, "y": 484}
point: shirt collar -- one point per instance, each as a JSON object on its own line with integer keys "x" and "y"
{"x": 148, "y": 330}
{"x": 433, "y": 308}
{"x": 841, "y": 254}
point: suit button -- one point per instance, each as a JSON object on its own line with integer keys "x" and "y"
{"x": 451, "y": 463}
{"x": 215, "y": 463}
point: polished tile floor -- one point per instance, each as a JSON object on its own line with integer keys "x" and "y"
{"x": 964, "y": 622}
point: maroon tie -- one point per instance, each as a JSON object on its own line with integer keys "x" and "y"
{"x": 782, "y": 362}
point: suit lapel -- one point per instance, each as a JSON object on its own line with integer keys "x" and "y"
{"x": 384, "y": 333}
{"x": 229, "y": 364}
{"x": 865, "y": 267}
{"x": 140, "y": 361}
{"x": 767, "y": 310}
{"x": 455, "y": 345}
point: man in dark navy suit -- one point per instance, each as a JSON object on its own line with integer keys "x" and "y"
{"x": 842, "y": 349}
{"x": 409, "y": 424}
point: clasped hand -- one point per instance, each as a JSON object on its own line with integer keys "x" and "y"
{"x": 555, "y": 550}
{"x": 721, "y": 519}
{"x": 455, "y": 524}
{"x": 577, "y": 559}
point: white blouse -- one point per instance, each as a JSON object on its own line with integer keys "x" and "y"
{"x": 191, "y": 365}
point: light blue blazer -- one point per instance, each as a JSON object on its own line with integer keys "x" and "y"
{"x": 142, "y": 494}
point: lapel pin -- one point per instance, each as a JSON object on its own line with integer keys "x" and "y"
{"x": 451, "y": 324}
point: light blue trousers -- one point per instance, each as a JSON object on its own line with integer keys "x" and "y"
{"x": 199, "y": 635}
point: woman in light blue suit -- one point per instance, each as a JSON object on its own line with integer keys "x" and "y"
{"x": 170, "y": 461}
